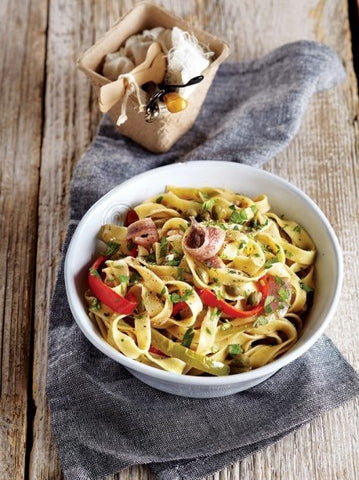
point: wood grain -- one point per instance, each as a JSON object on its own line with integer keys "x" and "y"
{"x": 22, "y": 80}
{"x": 40, "y": 150}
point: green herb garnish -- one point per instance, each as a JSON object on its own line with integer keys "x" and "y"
{"x": 94, "y": 272}
{"x": 112, "y": 247}
{"x": 226, "y": 325}
{"x": 238, "y": 216}
{"x": 267, "y": 304}
{"x": 124, "y": 279}
{"x": 261, "y": 320}
{"x": 163, "y": 247}
{"x": 283, "y": 294}
{"x": 208, "y": 204}
{"x": 234, "y": 349}
{"x": 96, "y": 304}
{"x": 151, "y": 258}
{"x": 270, "y": 262}
{"x": 306, "y": 288}
{"x": 188, "y": 337}
{"x": 176, "y": 298}
{"x": 174, "y": 263}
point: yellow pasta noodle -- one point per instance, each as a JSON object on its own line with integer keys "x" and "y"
{"x": 204, "y": 281}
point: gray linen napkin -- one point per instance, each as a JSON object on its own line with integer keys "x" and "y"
{"x": 103, "y": 418}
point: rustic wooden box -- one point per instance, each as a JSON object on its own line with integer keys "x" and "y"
{"x": 160, "y": 135}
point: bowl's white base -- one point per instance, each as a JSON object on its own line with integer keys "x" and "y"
{"x": 197, "y": 391}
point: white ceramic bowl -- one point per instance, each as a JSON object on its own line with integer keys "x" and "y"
{"x": 284, "y": 198}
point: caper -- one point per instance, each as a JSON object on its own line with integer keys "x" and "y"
{"x": 233, "y": 290}
{"x": 218, "y": 213}
{"x": 254, "y": 298}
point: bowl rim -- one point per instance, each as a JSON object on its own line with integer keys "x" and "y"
{"x": 289, "y": 356}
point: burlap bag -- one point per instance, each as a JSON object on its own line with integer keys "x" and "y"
{"x": 160, "y": 135}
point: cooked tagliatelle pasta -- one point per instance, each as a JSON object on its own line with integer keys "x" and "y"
{"x": 202, "y": 281}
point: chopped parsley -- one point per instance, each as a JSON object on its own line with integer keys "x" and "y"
{"x": 124, "y": 279}
{"x": 306, "y": 288}
{"x": 270, "y": 262}
{"x": 176, "y": 298}
{"x": 174, "y": 263}
{"x": 267, "y": 304}
{"x": 279, "y": 280}
{"x": 112, "y": 247}
{"x": 94, "y": 272}
{"x": 218, "y": 293}
{"x": 163, "y": 247}
{"x": 261, "y": 320}
{"x": 238, "y": 216}
{"x": 208, "y": 204}
{"x": 163, "y": 291}
{"x": 181, "y": 227}
{"x": 208, "y": 331}
{"x": 256, "y": 225}
{"x": 188, "y": 337}
{"x": 222, "y": 226}
{"x": 254, "y": 209}
{"x": 283, "y": 294}
{"x": 151, "y": 258}
{"x": 214, "y": 313}
{"x": 234, "y": 349}
{"x": 159, "y": 199}
{"x": 226, "y": 325}
{"x": 297, "y": 228}
{"x": 96, "y": 304}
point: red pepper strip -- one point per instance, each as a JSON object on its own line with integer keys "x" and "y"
{"x": 134, "y": 251}
{"x": 155, "y": 350}
{"x": 105, "y": 294}
{"x": 210, "y": 299}
{"x": 177, "y": 307}
{"x": 131, "y": 217}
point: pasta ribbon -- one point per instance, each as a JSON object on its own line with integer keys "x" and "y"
{"x": 236, "y": 308}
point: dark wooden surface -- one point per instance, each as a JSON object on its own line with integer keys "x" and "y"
{"x": 48, "y": 118}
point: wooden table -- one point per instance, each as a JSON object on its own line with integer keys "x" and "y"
{"x": 48, "y": 116}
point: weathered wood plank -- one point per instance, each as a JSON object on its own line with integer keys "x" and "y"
{"x": 67, "y": 131}
{"x": 328, "y": 136}
{"x": 22, "y": 37}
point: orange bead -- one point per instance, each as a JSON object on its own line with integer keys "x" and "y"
{"x": 174, "y": 102}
